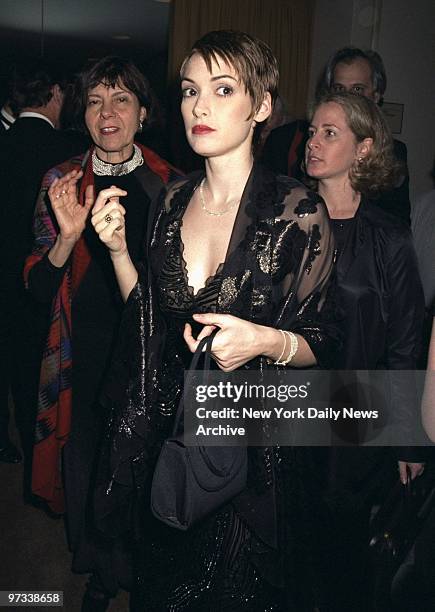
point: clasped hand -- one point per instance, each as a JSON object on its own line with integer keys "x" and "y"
{"x": 108, "y": 219}
{"x": 237, "y": 341}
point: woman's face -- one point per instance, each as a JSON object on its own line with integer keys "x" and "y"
{"x": 112, "y": 117}
{"x": 215, "y": 109}
{"x": 331, "y": 149}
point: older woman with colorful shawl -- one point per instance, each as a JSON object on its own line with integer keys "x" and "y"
{"x": 70, "y": 268}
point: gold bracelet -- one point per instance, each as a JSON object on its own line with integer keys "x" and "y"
{"x": 278, "y": 361}
{"x": 294, "y": 344}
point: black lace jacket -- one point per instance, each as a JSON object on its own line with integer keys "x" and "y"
{"x": 276, "y": 272}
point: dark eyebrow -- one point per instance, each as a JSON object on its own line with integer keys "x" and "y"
{"x": 215, "y": 78}
{"x": 115, "y": 93}
{"x": 224, "y": 76}
{"x": 120, "y": 90}
{"x": 351, "y": 85}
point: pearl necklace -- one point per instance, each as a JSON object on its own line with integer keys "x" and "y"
{"x": 102, "y": 168}
{"x": 207, "y": 210}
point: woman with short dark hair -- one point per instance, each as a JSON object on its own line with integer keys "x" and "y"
{"x": 238, "y": 249}
{"x": 69, "y": 268}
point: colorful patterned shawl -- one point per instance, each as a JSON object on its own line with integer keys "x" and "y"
{"x": 55, "y": 393}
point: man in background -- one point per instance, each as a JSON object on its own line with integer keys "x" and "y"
{"x": 359, "y": 72}
{"x": 32, "y": 145}
{"x": 363, "y": 73}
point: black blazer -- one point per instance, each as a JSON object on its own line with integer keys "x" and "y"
{"x": 380, "y": 292}
{"x": 27, "y": 151}
{"x": 382, "y": 299}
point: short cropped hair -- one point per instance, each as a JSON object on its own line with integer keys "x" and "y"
{"x": 112, "y": 71}
{"x": 32, "y": 84}
{"x": 348, "y": 55}
{"x": 251, "y": 58}
{"x": 378, "y": 170}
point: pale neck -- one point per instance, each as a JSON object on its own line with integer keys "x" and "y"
{"x": 341, "y": 200}
{"x": 226, "y": 178}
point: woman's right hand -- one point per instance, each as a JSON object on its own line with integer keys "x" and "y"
{"x": 70, "y": 214}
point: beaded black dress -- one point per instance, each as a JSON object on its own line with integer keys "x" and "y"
{"x": 276, "y": 272}
{"x": 217, "y": 573}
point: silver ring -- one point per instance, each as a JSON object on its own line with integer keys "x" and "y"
{"x": 108, "y": 218}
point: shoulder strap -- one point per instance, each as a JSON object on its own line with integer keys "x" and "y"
{"x": 203, "y": 347}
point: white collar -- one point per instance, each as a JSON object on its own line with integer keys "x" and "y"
{"x": 7, "y": 115}
{"x": 37, "y": 115}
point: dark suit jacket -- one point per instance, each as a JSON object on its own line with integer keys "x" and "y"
{"x": 283, "y": 151}
{"x": 27, "y": 150}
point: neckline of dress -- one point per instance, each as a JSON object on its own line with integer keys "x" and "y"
{"x": 185, "y": 270}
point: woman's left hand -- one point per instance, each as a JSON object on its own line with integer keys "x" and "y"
{"x": 237, "y": 341}
{"x": 108, "y": 220}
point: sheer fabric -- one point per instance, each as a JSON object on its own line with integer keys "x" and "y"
{"x": 276, "y": 272}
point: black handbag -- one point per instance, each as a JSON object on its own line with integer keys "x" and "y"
{"x": 191, "y": 482}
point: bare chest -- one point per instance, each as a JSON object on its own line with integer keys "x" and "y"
{"x": 205, "y": 241}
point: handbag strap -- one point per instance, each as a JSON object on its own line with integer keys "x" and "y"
{"x": 203, "y": 347}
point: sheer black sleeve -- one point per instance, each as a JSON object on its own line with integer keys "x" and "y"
{"x": 304, "y": 253}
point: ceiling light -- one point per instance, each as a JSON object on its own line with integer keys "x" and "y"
{"x": 121, "y": 37}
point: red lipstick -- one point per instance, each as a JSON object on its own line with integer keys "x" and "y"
{"x": 202, "y": 129}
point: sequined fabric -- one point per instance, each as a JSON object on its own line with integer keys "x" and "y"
{"x": 220, "y": 574}
{"x": 276, "y": 272}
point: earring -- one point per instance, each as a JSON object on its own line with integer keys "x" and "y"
{"x": 140, "y": 126}
{"x": 360, "y": 160}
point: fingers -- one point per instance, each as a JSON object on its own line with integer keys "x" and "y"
{"x": 109, "y": 218}
{"x": 226, "y": 365}
{"x": 105, "y": 195}
{"x": 111, "y": 233}
{"x": 413, "y": 469}
{"x": 189, "y": 339}
{"x": 89, "y": 197}
{"x": 403, "y": 472}
{"x": 107, "y": 209}
{"x": 205, "y": 331}
{"x": 416, "y": 469}
{"x": 217, "y": 320}
{"x": 106, "y": 234}
{"x": 64, "y": 186}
